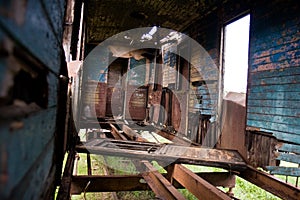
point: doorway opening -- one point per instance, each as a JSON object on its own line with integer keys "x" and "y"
{"x": 236, "y": 48}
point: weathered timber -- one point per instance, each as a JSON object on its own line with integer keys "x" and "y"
{"x": 171, "y": 153}
{"x": 196, "y": 185}
{"x": 287, "y": 171}
{"x": 132, "y": 134}
{"x": 64, "y": 189}
{"x": 116, "y": 134}
{"x": 114, "y": 183}
{"x": 270, "y": 183}
{"x": 159, "y": 184}
{"x": 107, "y": 183}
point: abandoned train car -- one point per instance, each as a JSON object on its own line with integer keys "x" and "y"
{"x": 145, "y": 81}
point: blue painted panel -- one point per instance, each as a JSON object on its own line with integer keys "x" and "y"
{"x": 273, "y": 111}
{"x": 289, "y": 157}
{"x": 275, "y": 88}
{"x": 290, "y": 148}
{"x": 52, "y": 89}
{"x": 274, "y": 104}
{"x": 54, "y": 11}
{"x": 288, "y": 171}
{"x": 36, "y": 34}
{"x": 292, "y": 79}
{"x": 271, "y": 126}
{"x": 23, "y": 146}
{"x": 283, "y": 136}
{"x": 275, "y": 73}
{"x": 284, "y": 120}
{"x": 275, "y": 96}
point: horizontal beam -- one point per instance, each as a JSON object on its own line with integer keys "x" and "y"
{"x": 270, "y": 183}
{"x": 107, "y": 183}
{"x": 196, "y": 185}
{"x": 159, "y": 184}
{"x": 114, "y": 183}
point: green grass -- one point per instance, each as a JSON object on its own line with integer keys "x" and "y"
{"x": 124, "y": 166}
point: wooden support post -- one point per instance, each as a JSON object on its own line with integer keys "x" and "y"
{"x": 270, "y": 183}
{"x": 64, "y": 189}
{"x": 89, "y": 168}
{"x": 159, "y": 184}
{"x": 196, "y": 185}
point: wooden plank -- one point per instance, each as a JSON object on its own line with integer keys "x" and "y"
{"x": 275, "y": 96}
{"x": 35, "y": 32}
{"x": 159, "y": 184}
{"x": 277, "y": 87}
{"x": 175, "y": 139}
{"x": 116, "y": 134}
{"x": 132, "y": 134}
{"x": 196, "y": 185}
{"x": 107, "y": 183}
{"x": 287, "y": 171}
{"x": 65, "y": 186}
{"x": 279, "y": 119}
{"x": 290, "y": 148}
{"x": 293, "y": 138}
{"x": 272, "y": 127}
{"x": 288, "y": 112}
{"x": 275, "y": 73}
{"x": 273, "y": 103}
{"x": 289, "y": 157}
{"x": 270, "y": 183}
{"x": 208, "y": 157}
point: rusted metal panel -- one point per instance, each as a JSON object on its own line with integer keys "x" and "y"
{"x": 137, "y": 102}
{"x": 100, "y": 104}
{"x": 233, "y": 123}
{"x": 114, "y": 101}
{"x": 196, "y": 185}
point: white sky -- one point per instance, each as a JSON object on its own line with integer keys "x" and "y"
{"x": 236, "y": 55}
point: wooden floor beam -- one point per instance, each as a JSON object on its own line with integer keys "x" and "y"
{"x": 196, "y": 185}
{"x": 159, "y": 184}
{"x": 270, "y": 183}
{"x": 107, "y": 183}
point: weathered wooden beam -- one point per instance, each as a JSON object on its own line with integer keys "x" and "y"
{"x": 107, "y": 183}
{"x": 114, "y": 183}
{"x": 224, "y": 179}
{"x": 64, "y": 189}
{"x": 270, "y": 183}
{"x": 89, "y": 166}
{"x": 159, "y": 184}
{"x": 132, "y": 134}
{"x": 287, "y": 171}
{"x": 175, "y": 139}
{"x": 116, "y": 134}
{"x": 196, "y": 185}
{"x": 175, "y": 154}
